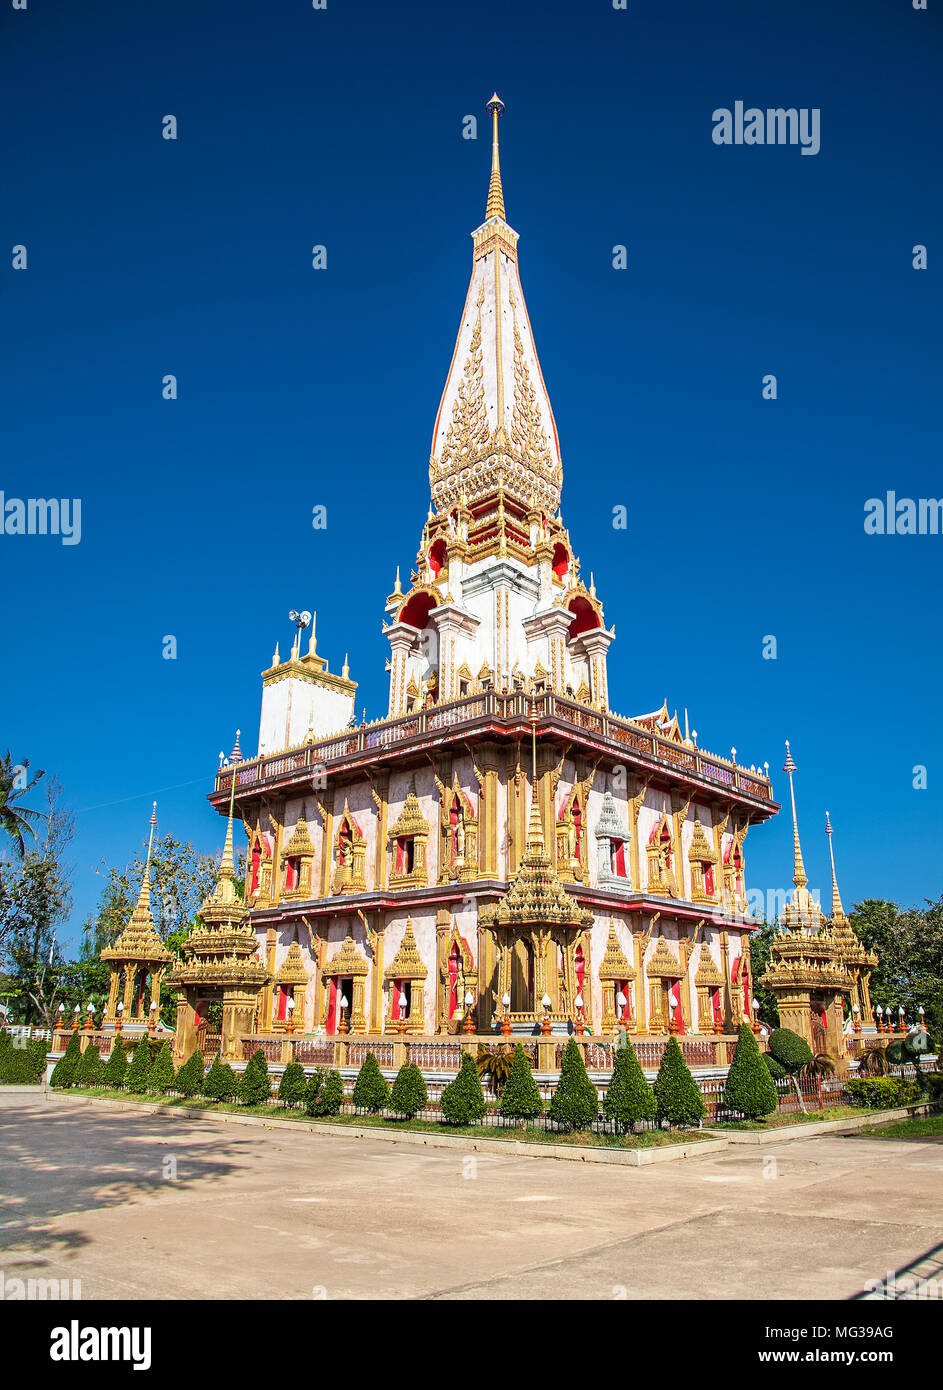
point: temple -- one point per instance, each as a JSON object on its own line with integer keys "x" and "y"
{"x": 501, "y": 850}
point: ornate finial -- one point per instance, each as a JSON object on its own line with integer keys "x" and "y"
{"x": 276, "y": 658}
{"x": 236, "y": 754}
{"x": 345, "y": 669}
{"x": 144, "y": 897}
{"x": 397, "y": 587}
{"x": 495, "y": 206}
{"x": 313, "y": 643}
{"x": 799, "y": 876}
{"x": 838, "y": 911}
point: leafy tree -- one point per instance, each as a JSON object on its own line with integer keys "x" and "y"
{"x": 575, "y": 1102}
{"x": 909, "y": 945}
{"x": 793, "y": 1054}
{"x": 749, "y": 1089}
{"x": 629, "y": 1099}
{"x": 324, "y": 1093}
{"x": 221, "y": 1083}
{"x": 409, "y": 1094}
{"x": 463, "y": 1100}
{"x": 64, "y": 1072}
{"x": 91, "y": 1067}
{"x": 22, "y": 1066}
{"x": 760, "y": 943}
{"x": 117, "y": 1064}
{"x": 371, "y": 1091}
{"x": 16, "y": 820}
{"x": 291, "y": 1087}
{"x": 679, "y": 1099}
{"x": 520, "y": 1098}
{"x": 139, "y": 1069}
{"x": 255, "y": 1087}
{"x": 161, "y": 1077}
{"x": 189, "y": 1080}
{"x": 776, "y": 1071}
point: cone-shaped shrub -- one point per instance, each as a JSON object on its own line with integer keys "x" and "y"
{"x": 255, "y": 1088}
{"x": 371, "y": 1091}
{"x": 749, "y": 1087}
{"x": 629, "y": 1099}
{"x": 324, "y": 1093}
{"x": 520, "y": 1098}
{"x": 679, "y": 1100}
{"x": 189, "y": 1080}
{"x": 117, "y": 1064}
{"x": 463, "y": 1100}
{"x": 409, "y": 1094}
{"x": 63, "y": 1073}
{"x": 139, "y": 1069}
{"x": 222, "y": 1082}
{"x": 161, "y": 1078}
{"x": 90, "y": 1067}
{"x": 291, "y": 1088}
{"x": 575, "y": 1103}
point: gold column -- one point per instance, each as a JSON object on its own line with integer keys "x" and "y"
{"x": 641, "y": 981}
{"x": 327, "y": 840}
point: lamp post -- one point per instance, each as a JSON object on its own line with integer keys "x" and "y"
{"x": 60, "y": 1017}
{"x": 856, "y": 1017}
{"x": 901, "y": 1025}
{"x": 923, "y": 1021}
{"x": 152, "y": 1018}
{"x": 621, "y": 1002}
{"x": 545, "y": 1024}
{"x": 880, "y": 1017}
{"x": 506, "y": 1021}
{"x": 119, "y": 1018}
{"x": 580, "y": 1024}
{"x": 89, "y": 1018}
{"x": 469, "y": 1024}
{"x": 756, "y": 1015}
{"x": 291, "y": 1015}
{"x": 342, "y": 1026}
{"x": 75, "y": 1019}
{"x": 401, "y": 1021}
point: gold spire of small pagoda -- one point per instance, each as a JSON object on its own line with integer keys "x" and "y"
{"x": 495, "y": 206}
{"x": 144, "y": 897}
{"x": 800, "y": 878}
{"x": 838, "y": 911}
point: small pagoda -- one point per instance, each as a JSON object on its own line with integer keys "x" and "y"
{"x": 808, "y": 971}
{"x": 137, "y": 960}
{"x": 219, "y": 962}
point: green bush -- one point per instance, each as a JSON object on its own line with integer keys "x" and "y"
{"x": 629, "y": 1099}
{"x": 90, "y": 1068}
{"x": 575, "y": 1102}
{"x": 881, "y": 1092}
{"x": 117, "y": 1064}
{"x": 255, "y": 1086}
{"x": 291, "y": 1087}
{"x": 64, "y": 1072}
{"x": 324, "y": 1093}
{"x": 520, "y": 1098}
{"x": 371, "y": 1091}
{"x": 409, "y": 1094}
{"x": 222, "y": 1082}
{"x": 161, "y": 1077}
{"x": 679, "y": 1100}
{"x": 22, "y": 1066}
{"x": 749, "y": 1089}
{"x": 189, "y": 1079}
{"x": 776, "y": 1070}
{"x": 139, "y": 1069}
{"x": 895, "y": 1053}
{"x": 933, "y": 1084}
{"x": 463, "y": 1100}
{"x": 18, "y": 1067}
{"x": 789, "y": 1050}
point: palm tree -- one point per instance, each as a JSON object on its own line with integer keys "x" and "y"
{"x": 16, "y": 820}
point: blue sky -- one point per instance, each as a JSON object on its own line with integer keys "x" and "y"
{"x": 297, "y": 387}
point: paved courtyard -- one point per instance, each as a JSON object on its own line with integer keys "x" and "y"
{"x": 159, "y": 1206}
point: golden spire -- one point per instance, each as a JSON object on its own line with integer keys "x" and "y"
{"x": 535, "y": 830}
{"x": 838, "y": 912}
{"x": 144, "y": 897}
{"x": 227, "y": 868}
{"x": 495, "y": 206}
{"x": 799, "y": 876}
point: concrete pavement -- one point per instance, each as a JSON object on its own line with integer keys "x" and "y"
{"x": 158, "y": 1206}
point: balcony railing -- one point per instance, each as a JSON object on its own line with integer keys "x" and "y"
{"x": 490, "y": 707}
